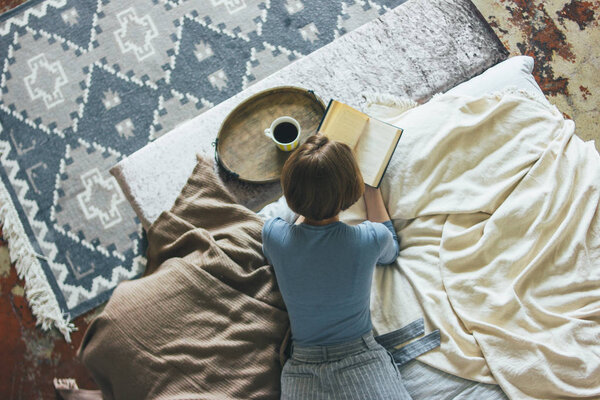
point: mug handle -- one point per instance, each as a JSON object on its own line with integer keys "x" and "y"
{"x": 268, "y": 133}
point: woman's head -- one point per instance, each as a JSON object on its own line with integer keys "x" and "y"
{"x": 321, "y": 178}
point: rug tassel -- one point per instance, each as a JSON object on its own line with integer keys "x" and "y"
{"x": 38, "y": 292}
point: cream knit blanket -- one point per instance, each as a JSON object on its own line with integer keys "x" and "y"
{"x": 495, "y": 200}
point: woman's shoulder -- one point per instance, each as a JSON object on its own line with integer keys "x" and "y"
{"x": 373, "y": 229}
{"x": 274, "y": 225}
{"x": 366, "y": 226}
{"x": 364, "y": 229}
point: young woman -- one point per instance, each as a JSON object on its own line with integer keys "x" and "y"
{"x": 324, "y": 270}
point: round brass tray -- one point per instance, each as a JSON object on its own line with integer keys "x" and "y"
{"x": 243, "y": 149}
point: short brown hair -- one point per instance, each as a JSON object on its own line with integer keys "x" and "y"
{"x": 321, "y": 178}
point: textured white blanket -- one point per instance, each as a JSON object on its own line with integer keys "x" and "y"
{"x": 495, "y": 200}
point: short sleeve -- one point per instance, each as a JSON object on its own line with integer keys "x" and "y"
{"x": 386, "y": 237}
{"x": 266, "y": 232}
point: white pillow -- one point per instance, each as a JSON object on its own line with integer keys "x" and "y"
{"x": 515, "y": 71}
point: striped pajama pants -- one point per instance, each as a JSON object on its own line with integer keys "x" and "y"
{"x": 359, "y": 369}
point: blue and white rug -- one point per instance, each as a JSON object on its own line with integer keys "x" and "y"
{"x": 85, "y": 83}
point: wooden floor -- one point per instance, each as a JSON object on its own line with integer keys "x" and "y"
{"x": 6, "y": 5}
{"x": 561, "y": 35}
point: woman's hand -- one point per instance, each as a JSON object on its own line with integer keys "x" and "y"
{"x": 376, "y": 211}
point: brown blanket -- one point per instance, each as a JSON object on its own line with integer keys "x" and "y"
{"x": 207, "y": 320}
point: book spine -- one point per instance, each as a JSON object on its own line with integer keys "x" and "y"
{"x": 324, "y": 115}
{"x": 390, "y": 159}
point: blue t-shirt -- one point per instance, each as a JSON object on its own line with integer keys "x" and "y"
{"x": 324, "y": 274}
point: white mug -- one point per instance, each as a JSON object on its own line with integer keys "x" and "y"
{"x": 284, "y": 145}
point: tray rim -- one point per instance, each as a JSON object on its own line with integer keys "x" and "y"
{"x": 243, "y": 103}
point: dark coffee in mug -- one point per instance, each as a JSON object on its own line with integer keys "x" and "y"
{"x": 285, "y": 132}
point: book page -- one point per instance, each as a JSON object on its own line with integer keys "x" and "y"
{"x": 374, "y": 149}
{"x": 343, "y": 123}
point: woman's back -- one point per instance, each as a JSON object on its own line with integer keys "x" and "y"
{"x": 325, "y": 274}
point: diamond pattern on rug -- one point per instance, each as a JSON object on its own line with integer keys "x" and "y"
{"x": 218, "y": 72}
{"x": 73, "y": 22}
{"x": 40, "y": 84}
{"x": 171, "y": 107}
{"x": 89, "y": 207}
{"x": 123, "y": 108}
{"x": 85, "y": 83}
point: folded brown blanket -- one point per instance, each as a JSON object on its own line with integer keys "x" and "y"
{"x": 207, "y": 320}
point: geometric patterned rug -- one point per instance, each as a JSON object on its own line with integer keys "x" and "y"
{"x": 85, "y": 83}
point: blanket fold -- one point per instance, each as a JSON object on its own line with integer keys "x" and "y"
{"x": 207, "y": 320}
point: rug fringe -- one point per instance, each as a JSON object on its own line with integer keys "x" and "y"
{"x": 38, "y": 292}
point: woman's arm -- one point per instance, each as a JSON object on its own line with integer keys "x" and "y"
{"x": 376, "y": 211}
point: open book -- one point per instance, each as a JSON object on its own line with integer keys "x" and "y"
{"x": 373, "y": 141}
